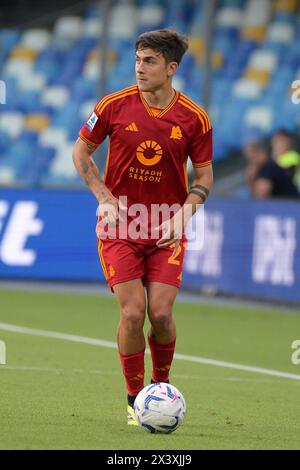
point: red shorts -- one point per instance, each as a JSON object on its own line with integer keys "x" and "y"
{"x": 123, "y": 261}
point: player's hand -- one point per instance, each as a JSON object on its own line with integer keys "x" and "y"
{"x": 172, "y": 231}
{"x": 108, "y": 211}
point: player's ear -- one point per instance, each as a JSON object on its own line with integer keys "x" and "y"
{"x": 172, "y": 67}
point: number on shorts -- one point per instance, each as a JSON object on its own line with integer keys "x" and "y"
{"x": 172, "y": 259}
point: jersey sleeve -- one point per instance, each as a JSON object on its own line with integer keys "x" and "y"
{"x": 201, "y": 147}
{"x": 96, "y": 128}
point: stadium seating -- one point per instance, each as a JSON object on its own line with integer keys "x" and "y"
{"x": 52, "y": 77}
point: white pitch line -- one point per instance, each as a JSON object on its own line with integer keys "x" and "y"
{"x": 56, "y": 335}
{"x": 113, "y": 345}
{"x": 231, "y": 365}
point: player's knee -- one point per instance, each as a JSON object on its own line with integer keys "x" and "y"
{"x": 133, "y": 317}
{"x": 161, "y": 317}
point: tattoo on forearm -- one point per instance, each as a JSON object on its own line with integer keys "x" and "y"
{"x": 85, "y": 167}
{"x": 104, "y": 197}
{"x": 89, "y": 173}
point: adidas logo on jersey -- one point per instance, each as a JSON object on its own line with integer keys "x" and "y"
{"x": 132, "y": 127}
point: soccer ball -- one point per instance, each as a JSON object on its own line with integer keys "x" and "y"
{"x": 159, "y": 407}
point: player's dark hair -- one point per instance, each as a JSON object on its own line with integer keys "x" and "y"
{"x": 168, "y": 42}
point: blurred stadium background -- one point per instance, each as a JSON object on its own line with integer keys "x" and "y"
{"x": 236, "y": 364}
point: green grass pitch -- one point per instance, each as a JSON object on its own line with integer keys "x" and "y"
{"x": 57, "y": 394}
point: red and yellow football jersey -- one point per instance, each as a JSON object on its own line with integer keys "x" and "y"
{"x": 149, "y": 148}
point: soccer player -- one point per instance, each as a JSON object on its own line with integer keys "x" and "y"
{"x": 153, "y": 129}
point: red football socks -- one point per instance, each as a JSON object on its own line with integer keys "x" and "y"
{"x": 162, "y": 357}
{"x": 133, "y": 366}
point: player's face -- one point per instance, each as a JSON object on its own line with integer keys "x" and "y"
{"x": 152, "y": 70}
